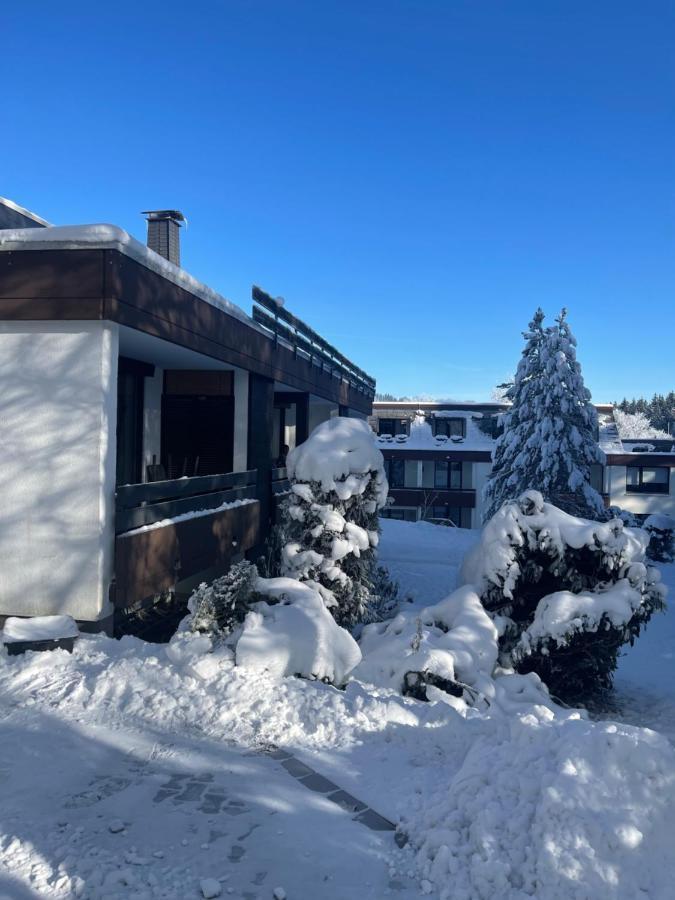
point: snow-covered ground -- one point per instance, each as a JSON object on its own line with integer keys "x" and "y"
{"x": 127, "y": 771}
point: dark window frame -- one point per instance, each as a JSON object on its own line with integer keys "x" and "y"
{"x": 444, "y": 425}
{"x": 453, "y": 467}
{"x": 650, "y": 487}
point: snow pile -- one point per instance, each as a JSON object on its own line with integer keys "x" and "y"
{"x": 295, "y": 636}
{"x": 452, "y": 645}
{"x": 38, "y": 628}
{"x": 551, "y": 807}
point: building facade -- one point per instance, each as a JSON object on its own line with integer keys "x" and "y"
{"x": 438, "y": 457}
{"x": 144, "y": 420}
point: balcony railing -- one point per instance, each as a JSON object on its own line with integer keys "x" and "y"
{"x": 304, "y": 341}
{"x": 144, "y": 504}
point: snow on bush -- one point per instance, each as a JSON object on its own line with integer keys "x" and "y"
{"x": 661, "y": 531}
{"x": 549, "y": 432}
{"x": 219, "y": 607}
{"x": 565, "y": 593}
{"x": 329, "y": 528}
{"x": 277, "y": 625}
{"x": 295, "y": 635}
{"x": 451, "y": 646}
{"x": 636, "y": 426}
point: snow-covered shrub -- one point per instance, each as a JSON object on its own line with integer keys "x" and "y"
{"x": 661, "y": 531}
{"x": 549, "y": 441}
{"x": 294, "y": 634}
{"x": 451, "y": 646}
{"x": 219, "y": 607}
{"x": 565, "y": 593}
{"x": 629, "y": 519}
{"x": 329, "y": 526}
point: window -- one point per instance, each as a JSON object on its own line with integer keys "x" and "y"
{"x": 392, "y": 426}
{"x": 450, "y": 427}
{"x": 448, "y": 475}
{"x": 394, "y": 469}
{"x": 647, "y": 479}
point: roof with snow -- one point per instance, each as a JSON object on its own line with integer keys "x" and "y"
{"x": 111, "y": 237}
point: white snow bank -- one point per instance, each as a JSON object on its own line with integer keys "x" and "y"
{"x": 110, "y": 237}
{"x": 295, "y": 636}
{"x": 39, "y": 628}
{"x": 454, "y": 640}
{"x": 340, "y": 455}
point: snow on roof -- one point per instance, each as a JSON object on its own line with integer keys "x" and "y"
{"x": 421, "y": 436}
{"x": 110, "y": 237}
{"x": 23, "y": 211}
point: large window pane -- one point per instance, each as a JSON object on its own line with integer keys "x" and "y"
{"x": 386, "y": 426}
{"x": 411, "y": 473}
{"x": 632, "y": 476}
{"x": 428, "y": 470}
{"x": 396, "y": 473}
{"x": 441, "y": 476}
{"x": 456, "y": 476}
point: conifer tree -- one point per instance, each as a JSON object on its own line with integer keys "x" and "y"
{"x": 550, "y": 433}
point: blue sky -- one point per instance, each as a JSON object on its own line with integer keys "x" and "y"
{"x": 413, "y": 177}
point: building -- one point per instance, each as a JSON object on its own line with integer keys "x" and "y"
{"x": 143, "y": 417}
{"x": 439, "y": 455}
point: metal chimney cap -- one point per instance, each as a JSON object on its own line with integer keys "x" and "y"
{"x": 173, "y": 214}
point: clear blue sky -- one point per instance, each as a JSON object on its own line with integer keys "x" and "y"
{"x": 413, "y": 177}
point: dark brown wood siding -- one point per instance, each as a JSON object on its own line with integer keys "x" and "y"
{"x": 107, "y": 284}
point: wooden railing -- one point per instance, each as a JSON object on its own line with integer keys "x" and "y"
{"x": 143, "y": 504}
{"x": 305, "y": 341}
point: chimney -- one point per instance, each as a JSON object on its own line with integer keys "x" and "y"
{"x": 163, "y": 234}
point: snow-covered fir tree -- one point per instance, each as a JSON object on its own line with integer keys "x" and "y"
{"x": 549, "y": 441}
{"x": 329, "y": 528}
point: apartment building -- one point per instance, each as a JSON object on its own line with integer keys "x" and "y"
{"x": 144, "y": 417}
{"x": 439, "y": 455}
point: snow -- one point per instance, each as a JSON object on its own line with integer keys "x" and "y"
{"x": 520, "y": 799}
{"x": 495, "y": 560}
{"x": 111, "y": 237}
{"x": 184, "y": 517}
{"x": 421, "y": 436}
{"x": 454, "y": 640}
{"x": 38, "y": 628}
{"x": 339, "y": 455}
{"x": 296, "y": 636}
{"x": 660, "y": 522}
{"x": 558, "y": 616}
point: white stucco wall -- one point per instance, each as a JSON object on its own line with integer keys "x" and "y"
{"x": 240, "y": 449}
{"x": 58, "y": 411}
{"x": 152, "y": 419}
{"x": 638, "y": 503}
